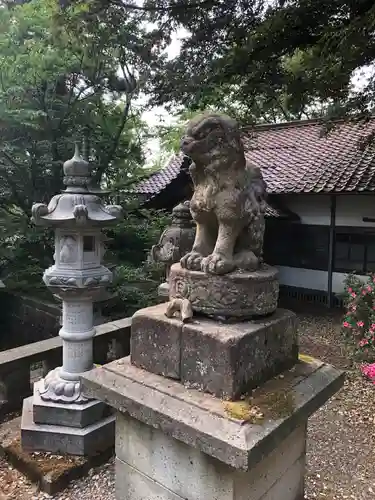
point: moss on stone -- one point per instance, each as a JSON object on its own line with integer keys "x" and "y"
{"x": 305, "y": 358}
{"x": 243, "y": 410}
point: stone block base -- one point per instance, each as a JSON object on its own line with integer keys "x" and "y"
{"x": 151, "y": 465}
{"x": 51, "y": 472}
{"x": 175, "y": 443}
{"x": 61, "y": 439}
{"x": 67, "y": 415}
{"x": 238, "y": 295}
{"x": 225, "y": 360}
{"x": 225, "y": 431}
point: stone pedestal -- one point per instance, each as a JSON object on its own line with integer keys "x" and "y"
{"x": 237, "y": 295}
{"x": 66, "y": 428}
{"x": 175, "y": 443}
{"x": 223, "y": 359}
{"x": 89, "y": 440}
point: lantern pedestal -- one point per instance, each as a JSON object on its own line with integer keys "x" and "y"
{"x": 67, "y": 435}
{"x": 59, "y": 417}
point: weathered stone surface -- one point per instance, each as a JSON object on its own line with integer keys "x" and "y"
{"x": 163, "y": 290}
{"x": 223, "y": 359}
{"x": 133, "y": 485}
{"x": 155, "y": 341}
{"x": 203, "y": 422}
{"x": 229, "y": 360}
{"x": 236, "y": 295}
{"x": 190, "y": 474}
{"x": 67, "y": 415}
{"x": 228, "y": 203}
{"x": 175, "y": 241}
{"x": 14, "y": 385}
{"x": 90, "y": 440}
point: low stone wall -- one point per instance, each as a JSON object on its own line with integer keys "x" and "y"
{"x": 21, "y": 366}
{"x": 26, "y": 320}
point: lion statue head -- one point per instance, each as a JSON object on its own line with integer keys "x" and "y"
{"x": 211, "y": 137}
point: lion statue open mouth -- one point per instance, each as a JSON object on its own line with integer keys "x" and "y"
{"x": 228, "y": 203}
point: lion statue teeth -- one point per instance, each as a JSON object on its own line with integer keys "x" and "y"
{"x": 228, "y": 203}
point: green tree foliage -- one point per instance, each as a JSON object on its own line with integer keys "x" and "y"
{"x": 65, "y": 75}
{"x": 58, "y": 83}
{"x": 269, "y": 60}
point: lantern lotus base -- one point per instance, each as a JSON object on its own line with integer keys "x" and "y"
{"x": 55, "y": 388}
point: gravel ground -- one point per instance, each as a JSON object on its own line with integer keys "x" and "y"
{"x": 341, "y": 439}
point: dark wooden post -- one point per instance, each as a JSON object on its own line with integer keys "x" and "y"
{"x": 331, "y": 251}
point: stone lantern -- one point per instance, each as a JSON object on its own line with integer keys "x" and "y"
{"x": 175, "y": 241}
{"x": 58, "y": 408}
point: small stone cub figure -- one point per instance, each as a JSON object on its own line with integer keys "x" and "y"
{"x": 228, "y": 203}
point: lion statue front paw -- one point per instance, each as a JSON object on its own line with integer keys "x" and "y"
{"x": 192, "y": 261}
{"x": 217, "y": 264}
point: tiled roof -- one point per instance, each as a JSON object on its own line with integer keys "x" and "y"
{"x": 278, "y": 213}
{"x": 160, "y": 180}
{"x": 298, "y": 157}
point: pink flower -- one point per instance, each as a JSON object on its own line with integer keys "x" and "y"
{"x": 346, "y": 324}
{"x": 360, "y": 324}
{"x": 369, "y": 288}
{"x": 364, "y": 292}
{"x": 350, "y": 290}
{"x": 363, "y": 342}
{"x": 353, "y": 294}
{"x": 368, "y": 371}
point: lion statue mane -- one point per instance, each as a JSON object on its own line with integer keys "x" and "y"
{"x": 228, "y": 203}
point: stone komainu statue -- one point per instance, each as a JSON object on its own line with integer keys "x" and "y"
{"x": 229, "y": 198}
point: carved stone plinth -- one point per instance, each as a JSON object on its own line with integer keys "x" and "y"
{"x": 224, "y": 360}
{"x": 235, "y": 295}
{"x": 175, "y": 443}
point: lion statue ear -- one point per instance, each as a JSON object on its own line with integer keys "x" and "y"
{"x": 232, "y": 133}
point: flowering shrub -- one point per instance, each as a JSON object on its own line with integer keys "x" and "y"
{"x": 359, "y": 321}
{"x": 369, "y": 371}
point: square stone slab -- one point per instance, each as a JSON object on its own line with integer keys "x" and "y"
{"x": 68, "y": 415}
{"x": 227, "y": 431}
{"x": 155, "y": 341}
{"x": 228, "y": 360}
{"x": 224, "y": 359}
{"x": 59, "y": 439}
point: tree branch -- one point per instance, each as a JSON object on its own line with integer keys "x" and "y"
{"x": 116, "y": 140}
{"x": 170, "y": 8}
{"x": 10, "y": 159}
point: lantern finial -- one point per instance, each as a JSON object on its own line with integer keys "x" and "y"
{"x": 77, "y": 172}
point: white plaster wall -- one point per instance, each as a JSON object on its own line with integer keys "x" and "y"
{"x": 350, "y": 209}
{"x": 315, "y": 210}
{"x": 312, "y": 209}
{"x": 310, "y": 278}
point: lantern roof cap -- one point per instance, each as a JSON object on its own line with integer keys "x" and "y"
{"x": 80, "y": 203}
